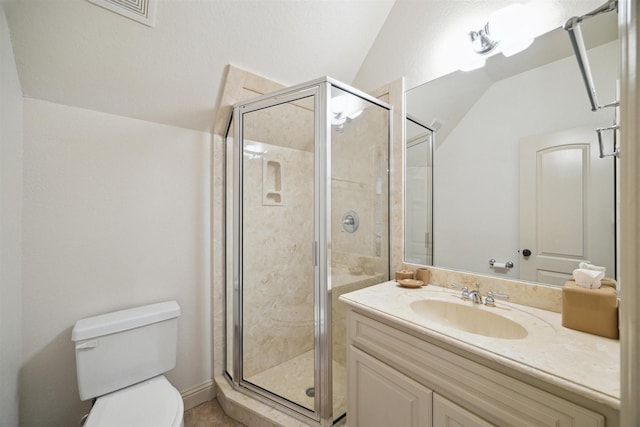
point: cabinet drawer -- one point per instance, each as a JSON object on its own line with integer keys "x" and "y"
{"x": 491, "y": 395}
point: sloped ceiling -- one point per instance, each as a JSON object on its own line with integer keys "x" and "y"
{"x": 76, "y": 53}
{"x": 422, "y": 39}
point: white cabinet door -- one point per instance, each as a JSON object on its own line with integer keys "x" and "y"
{"x": 379, "y": 396}
{"x": 448, "y": 414}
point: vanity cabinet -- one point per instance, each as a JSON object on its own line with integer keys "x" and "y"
{"x": 384, "y": 397}
{"x": 447, "y": 413}
{"x": 399, "y": 378}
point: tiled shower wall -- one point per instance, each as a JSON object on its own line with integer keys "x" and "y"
{"x": 278, "y": 270}
{"x": 359, "y": 157}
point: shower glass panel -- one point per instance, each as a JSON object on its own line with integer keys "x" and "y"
{"x": 359, "y": 255}
{"x": 277, "y": 266}
{"x": 307, "y": 219}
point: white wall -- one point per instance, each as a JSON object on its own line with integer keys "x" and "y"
{"x": 116, "y": 214}
{"x": 10, "y": 229}
{"x": 476, "y": 168}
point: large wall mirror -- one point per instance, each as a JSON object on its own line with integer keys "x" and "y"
{"x": 516, "y": 164}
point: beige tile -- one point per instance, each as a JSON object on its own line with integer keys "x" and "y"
{"x": 209, "y": 414}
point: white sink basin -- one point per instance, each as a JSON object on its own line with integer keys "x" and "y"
{"x": 476, "y": 319}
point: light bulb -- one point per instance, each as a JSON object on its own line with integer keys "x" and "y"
{"x": 512, "y": 26}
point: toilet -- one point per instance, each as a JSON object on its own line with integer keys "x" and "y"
{"x": 120, "y": 360}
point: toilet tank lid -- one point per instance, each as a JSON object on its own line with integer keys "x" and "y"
{"x": 118, "y": 321}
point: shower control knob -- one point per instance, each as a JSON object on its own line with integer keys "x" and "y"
{"x": 350, "y": 222}
{"x": 526, "y": 252}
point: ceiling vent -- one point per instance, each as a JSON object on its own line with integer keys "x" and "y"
{"x": 143, "y": 11}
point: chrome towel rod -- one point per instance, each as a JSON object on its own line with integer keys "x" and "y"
{"x": 616, "y": 150}
{"x": 577, "y": 43}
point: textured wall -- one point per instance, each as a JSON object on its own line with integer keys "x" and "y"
{"x": 358, "y": 157}
{"x": 278, "y": 270}
{"x": 359, "y": 182}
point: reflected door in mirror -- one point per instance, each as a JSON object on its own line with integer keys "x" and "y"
{"x": 566, "y": 205}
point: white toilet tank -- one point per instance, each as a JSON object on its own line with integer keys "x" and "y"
{"x": 116, "y": 350}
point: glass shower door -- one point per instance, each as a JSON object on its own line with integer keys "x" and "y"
{"x": 277, "y": 232}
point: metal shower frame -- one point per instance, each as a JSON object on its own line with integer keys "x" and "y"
{"x": 320, "y": 89}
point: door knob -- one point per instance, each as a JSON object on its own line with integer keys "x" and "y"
{"x": 526, "y": 252}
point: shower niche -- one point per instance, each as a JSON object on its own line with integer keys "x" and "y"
{"x": 296, "y": 161}
{"x": 272, "y": 194}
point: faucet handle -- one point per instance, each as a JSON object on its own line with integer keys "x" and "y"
{"x": 490, "y": 299}
{"x": 464, "y": 289}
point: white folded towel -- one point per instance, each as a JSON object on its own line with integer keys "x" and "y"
{"x": 588, "y": 275}
{"x": 588, "y": 266}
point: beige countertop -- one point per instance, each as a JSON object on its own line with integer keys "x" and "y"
{"x": 584, "y": 364}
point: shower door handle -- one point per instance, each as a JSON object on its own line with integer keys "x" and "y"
{"x": 314, "y": 253}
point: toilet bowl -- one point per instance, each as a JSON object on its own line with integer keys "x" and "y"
{"x": 152, "y": 403}
{"x": 120, "y": 360}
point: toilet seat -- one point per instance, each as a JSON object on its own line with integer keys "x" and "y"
{"x": 152, "y": 403}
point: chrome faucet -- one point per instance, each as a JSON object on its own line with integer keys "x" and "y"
{"x": 475, "y": 297}
{"x": 464, "y": 289}
{"x": 490, "y": 301}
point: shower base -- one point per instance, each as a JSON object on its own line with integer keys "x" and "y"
{"x": 294, "y": 377}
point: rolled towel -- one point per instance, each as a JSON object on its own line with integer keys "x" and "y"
{"x": 586, "y": 278}
{"x": 588, "y": 266}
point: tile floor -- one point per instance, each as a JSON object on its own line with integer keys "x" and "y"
{"x": 209, "y": 414}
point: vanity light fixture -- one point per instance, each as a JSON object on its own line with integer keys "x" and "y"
{"x": 344, "y": 108}
{"x": 254, "y": 150}
{"x": 508, "y": 31}
{"x": 481, "y": 40}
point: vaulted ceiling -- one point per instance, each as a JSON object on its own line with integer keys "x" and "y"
{"x": 76, "y": 53}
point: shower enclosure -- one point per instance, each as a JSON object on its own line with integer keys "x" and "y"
{"x": 307, "y": 219}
